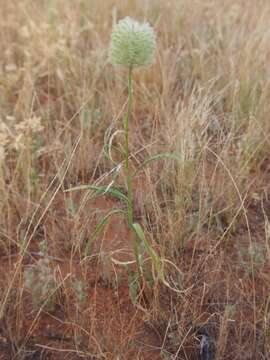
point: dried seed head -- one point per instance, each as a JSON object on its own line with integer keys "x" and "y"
{"x": 132, "y": 43}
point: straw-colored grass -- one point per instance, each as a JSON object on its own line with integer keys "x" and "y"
{"x": 206, "y": 98}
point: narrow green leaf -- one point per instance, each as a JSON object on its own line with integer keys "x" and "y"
{"x": 106, "y": 151}
{"x": 133, "y": 284}
{"x": 147, "y": 273}
{"x": 150, "y": 251}
{"x": 101, "y": 190}
{"x": 156, "y": 157}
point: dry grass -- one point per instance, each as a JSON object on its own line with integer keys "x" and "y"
{"x": 207, "y": 99}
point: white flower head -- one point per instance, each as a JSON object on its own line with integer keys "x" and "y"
{"x": 132, "y": 43}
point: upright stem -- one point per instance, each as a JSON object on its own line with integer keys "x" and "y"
{"x": 126, "y": 128}
{"x": 127, "y": 172}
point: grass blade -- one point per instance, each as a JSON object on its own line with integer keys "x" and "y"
{"x": 156, "y": 157}
{"x": 101, "y": 190}
{"x": 133, "y": 284}
{"x": 150, "y": 251}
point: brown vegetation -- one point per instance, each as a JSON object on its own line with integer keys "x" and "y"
{"x": 206, "y": 98}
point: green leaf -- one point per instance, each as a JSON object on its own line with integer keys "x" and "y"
{"x": 147, "y": 273}
{"x": 106, "y": 149}
{"x": 101, "y": 190}
{"x": 150, "y": 251}
{"x": 99, "y": 227}
{"x": 156, "y": 157}
{"x": 133, "y": 284}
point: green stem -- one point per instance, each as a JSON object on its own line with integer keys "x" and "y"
{"x": 126, "y": 128}
{"x": 128, "y": 173}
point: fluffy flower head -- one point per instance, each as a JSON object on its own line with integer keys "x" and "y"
{"x": 132, "y": 43}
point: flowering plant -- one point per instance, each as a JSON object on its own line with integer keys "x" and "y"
{"x": 132, "y": 43}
